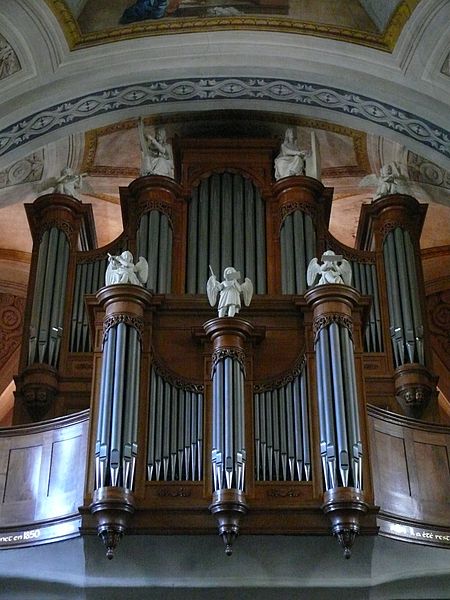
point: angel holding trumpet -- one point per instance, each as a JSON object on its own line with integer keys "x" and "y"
{"x": 230, "y": 291}
{"x": 121, "y": 269}
{"x": 68, "y": 183}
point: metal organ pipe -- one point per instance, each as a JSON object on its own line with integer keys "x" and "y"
{"x": 47, "y": 311}
{"x": 116, "y": 443}
{"x": 298, "y": 247}
{"x": 154, "y": 243}
{"x": 218, "y": 210}
{"x": 405, "y": 315}
{"x": 175, "y": 430}
{"x": 282, "y": 445}
{"x": 340, "y": 431}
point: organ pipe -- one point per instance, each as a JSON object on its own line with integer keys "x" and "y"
{"x": 116, "y": 439}
{"x": 48, "y": 307}
{"x": 298, "y": 247}
{"x": 282, "y": 439}
{"x": 226, "y": 226}
{"x": 175, "y": 430}
{"x": 405, "y": 317}
{"x": 154, "y": 243}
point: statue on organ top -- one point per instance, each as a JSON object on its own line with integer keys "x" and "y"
{"x": 335, "y": 269}
{"x": 156, "y": 152}
{"x": 230, "y": 291}
{"x": 121, "y": 269}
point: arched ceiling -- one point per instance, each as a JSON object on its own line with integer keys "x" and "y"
{"x": 66, "y": 90}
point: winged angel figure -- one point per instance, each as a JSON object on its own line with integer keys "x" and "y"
{"x": 67, "y": 183}
{"x": 335, "y": 269}
{"x": 230, "y": 291}
{"x": 121, "y": 269}
{"x": 390, "y": 181}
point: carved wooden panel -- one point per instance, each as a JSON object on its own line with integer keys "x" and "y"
{"x": 439, "y": 314}
{"x": 11, "y": 322}
{"x": 42, "y": 471}
{"x": 392, "y": 462}
{"x": 432, "y": 459}
{"x": 22, "y": 477}
{"x": 411, "y": 469}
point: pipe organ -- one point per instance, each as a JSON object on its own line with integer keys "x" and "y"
{"x": 257, "y": 420}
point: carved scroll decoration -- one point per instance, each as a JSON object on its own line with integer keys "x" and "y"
{"x": 300, "y": 205}
{"x": 282, "y": 380}
{"x": 359, "y": 256}
{"x": 92, "y": 256}
{"x": 411, "y": 226}
{"x": 159, "y": 205}
{"x": 130, "y": 320}
{"x": 174, "y": 379}
{"x": 439, "y": 318}
{"x": 11, "y": 323}
{"x": 67, "y": 228}
{"x": 228, "y": 352}
{"x": 326, "y": 319}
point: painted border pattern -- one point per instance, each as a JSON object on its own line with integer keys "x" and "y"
{"x": 164, "y": 92}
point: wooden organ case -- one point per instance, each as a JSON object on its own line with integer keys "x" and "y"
{"x": 248, "y": 424}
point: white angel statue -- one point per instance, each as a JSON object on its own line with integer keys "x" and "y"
{"x": 335, "y": 269}
{"x": 390, "y": 181}
{"x": 122, "y": 270}
{"x": 230, "y": 292}
{"x": 156, "y": 152}
{"x": 68, "y": 183}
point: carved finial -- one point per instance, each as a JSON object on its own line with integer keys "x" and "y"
{"x": 346, "y": 538}
{"x": 110, "y": 538}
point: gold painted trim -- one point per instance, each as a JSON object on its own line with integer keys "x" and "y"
{"x": 385, "y": 41}
{"x": 397, "y": 21}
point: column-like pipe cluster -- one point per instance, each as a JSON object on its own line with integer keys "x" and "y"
{"x": 228, "y": 443}
{"x": 116, "y": 440}
{"x": 175, "y": 442}
{"x": 340, "y": 435}
{"x": 228, "y": 457}
{"x": 405, "y": 314}
{"x": 341, "y": 432}
{"x": 48, "y": 308}
{"x": 282, "y": 439}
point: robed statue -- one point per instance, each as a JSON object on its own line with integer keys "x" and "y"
{"x": 229, "y": 291}
{"x": 156, "y": 152}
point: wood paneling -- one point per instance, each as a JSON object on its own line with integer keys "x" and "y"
{"x": 22, "y": 476}
{"x": 42, "y": 470}
{"x": 411, "y": 468}
{"x": 391, "y": 461}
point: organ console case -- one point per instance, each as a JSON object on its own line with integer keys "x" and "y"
{"x": 253, "y": 423}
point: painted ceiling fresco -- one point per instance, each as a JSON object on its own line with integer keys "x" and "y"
{"x": 102, "y": 14}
